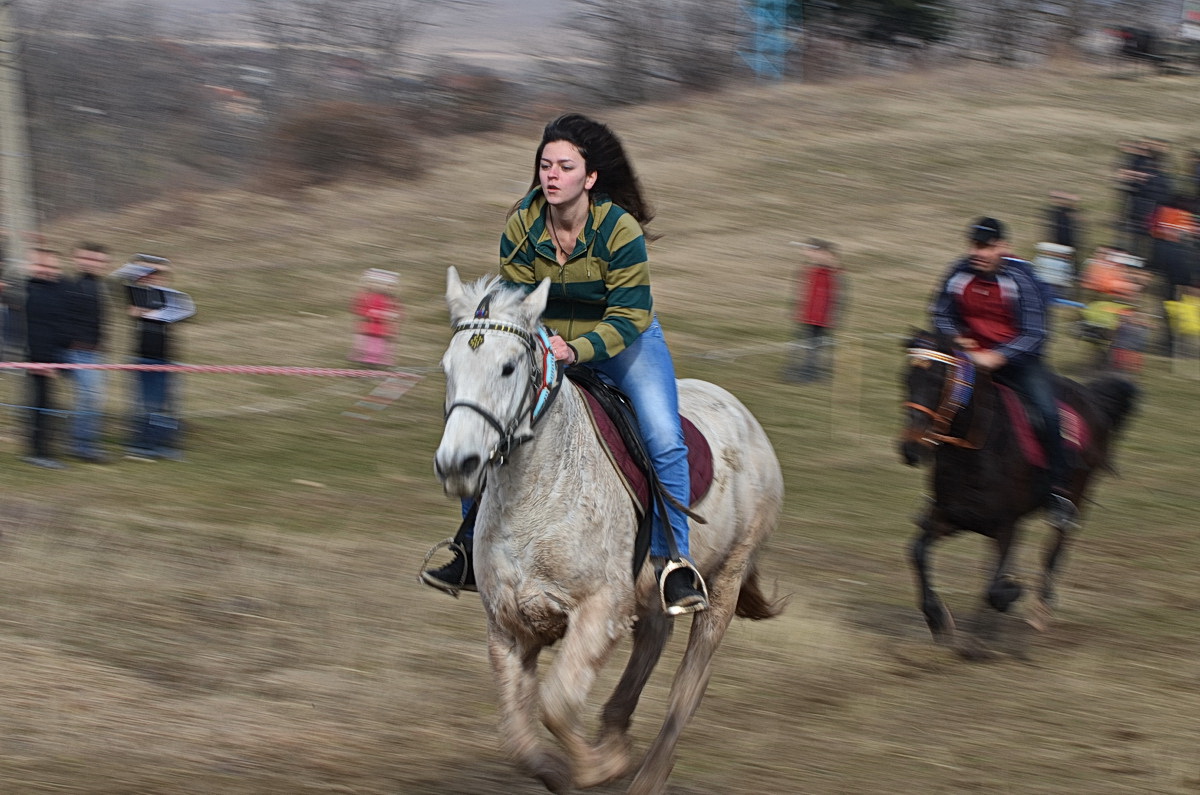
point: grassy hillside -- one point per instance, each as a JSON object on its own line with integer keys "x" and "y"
{"x": 248, "y": 620}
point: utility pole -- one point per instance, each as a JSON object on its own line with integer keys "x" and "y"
{"x": 16, "y": 162}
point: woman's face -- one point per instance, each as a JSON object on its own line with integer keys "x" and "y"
{"x": 562, "y": 172}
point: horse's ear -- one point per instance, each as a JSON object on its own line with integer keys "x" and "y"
{"x": 535, "y": 303}
{"x": 454, "y": 297}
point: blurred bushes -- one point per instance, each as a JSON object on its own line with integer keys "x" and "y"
{"x": 335, "y": 140}
{"x": 465, "y": 99}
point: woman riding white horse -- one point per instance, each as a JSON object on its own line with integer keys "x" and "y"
{"x": 580, "y": 225}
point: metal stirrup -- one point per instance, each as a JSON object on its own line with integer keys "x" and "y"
{"x": 449, "y": 543}
{"x": 697, "y": 579}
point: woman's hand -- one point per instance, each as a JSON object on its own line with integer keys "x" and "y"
{"x": 562, "y": 351}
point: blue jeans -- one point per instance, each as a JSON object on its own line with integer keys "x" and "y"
{"x": 154, "y": 427}
{"x": 810, "y": 356}
{"x": 645, "y": 372}
{"x": 89, "y": 402}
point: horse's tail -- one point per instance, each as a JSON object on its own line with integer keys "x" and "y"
{"x": 1112, "y": 399}
{"x": 1116, "y": 397}
{"x": 753, "y": 604}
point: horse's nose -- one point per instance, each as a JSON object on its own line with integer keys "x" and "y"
{"x": 468, "y": 465}
{"x": 458, "y": 468}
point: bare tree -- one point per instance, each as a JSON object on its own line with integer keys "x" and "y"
{"x": 1013, "y": 30}
{"x": 644, "y": 43}
{"x": 368, "y": 40}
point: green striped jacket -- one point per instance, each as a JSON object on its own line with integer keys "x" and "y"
{"x": 600, "y": 300}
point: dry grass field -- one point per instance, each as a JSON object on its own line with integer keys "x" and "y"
{"x": 249, "y": 621}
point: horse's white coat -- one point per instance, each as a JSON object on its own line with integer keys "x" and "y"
{"x": 553, "y": 548}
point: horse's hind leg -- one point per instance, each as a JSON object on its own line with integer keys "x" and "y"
{"x": 650, "y": 635}
{"x": 514, "y": 667}
{"x": 691, "y": 680}
{"x": 1042, "y": 610}
{"x": 588, "y": 643}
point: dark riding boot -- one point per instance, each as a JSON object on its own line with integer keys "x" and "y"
{"x": 681, "y": 588}
{"x": 1061, "y": 513}
{"x": 458, "y": 574}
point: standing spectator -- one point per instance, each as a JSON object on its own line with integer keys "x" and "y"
{"x": 1130, "y": 171}
{"x": 86, "y": 338}
{"x": 12, "y": 327}
{"x": 1063, "y": 226}
{"x": 1154, "y": 190}
{"x": 1143, "y": 183}
{"x": 45, "y": 338}
{"x": 819, "y": 300}
{"x": 1062, "y": 220}
{"x": 379, "y": 313}
{"x": 1173, "y": 227}
{"x": 155, "y": 426}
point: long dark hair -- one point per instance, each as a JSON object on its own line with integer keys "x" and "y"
{"x": 602, "y": 152}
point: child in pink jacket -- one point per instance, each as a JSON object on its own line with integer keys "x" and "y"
{"x": 379, "y": 313}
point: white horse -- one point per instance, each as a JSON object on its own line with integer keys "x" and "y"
{"x": 554, "y": 542}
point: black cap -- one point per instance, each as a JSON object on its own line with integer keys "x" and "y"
{"x": 985, "y": 231}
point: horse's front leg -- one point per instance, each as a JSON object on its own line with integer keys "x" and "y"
{"x": 1004, "y": 589}
{"x": 589, "y": 641}
{"x": 514, "y": 666}
{"x": 937, "y": 615}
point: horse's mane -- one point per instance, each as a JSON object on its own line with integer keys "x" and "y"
{"x": 505, "y": 297}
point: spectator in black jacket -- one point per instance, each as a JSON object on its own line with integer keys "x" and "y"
{"x": 155, "y": 424}
{"x": 1063, "y": 226}
{"x": 45, "y": 339}
{"x": 86, "y": 344}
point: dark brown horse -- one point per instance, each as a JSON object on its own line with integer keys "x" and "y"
{"x": 981, "y": 479}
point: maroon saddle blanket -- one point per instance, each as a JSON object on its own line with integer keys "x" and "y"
{"x": 700, "y": 464}
{"x": 1074, "y": 430}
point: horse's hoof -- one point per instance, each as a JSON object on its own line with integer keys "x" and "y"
{"x": 1040, "y": 615}
{"x": 554, "y": 773}
{"x": 611, "y": 759}
{"x": 1004, "y": 592}
{"x": 941, "y": 625}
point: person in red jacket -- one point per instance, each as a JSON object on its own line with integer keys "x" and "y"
{"x": 819, "y": 299}
{"x": 379, "y": 313}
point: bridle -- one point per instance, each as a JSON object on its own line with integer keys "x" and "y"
{"x": 544, "y": 382}
{"x": 957, "y": 390}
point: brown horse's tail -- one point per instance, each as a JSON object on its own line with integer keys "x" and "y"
{"x": 753, "y": 604}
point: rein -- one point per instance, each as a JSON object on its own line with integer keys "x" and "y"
{"x": 544, "y": 381}
{"x": 957, "y": 391}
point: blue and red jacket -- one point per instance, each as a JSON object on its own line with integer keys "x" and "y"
{"x": 1003, "y": 312}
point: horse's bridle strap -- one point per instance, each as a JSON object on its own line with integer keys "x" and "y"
{"x": 494, "y": 325}
{"x": 535, "y": 407}
{"x": 956, "y": 394}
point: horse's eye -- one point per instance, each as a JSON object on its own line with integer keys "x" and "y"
{"x": 509, "y": 369}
